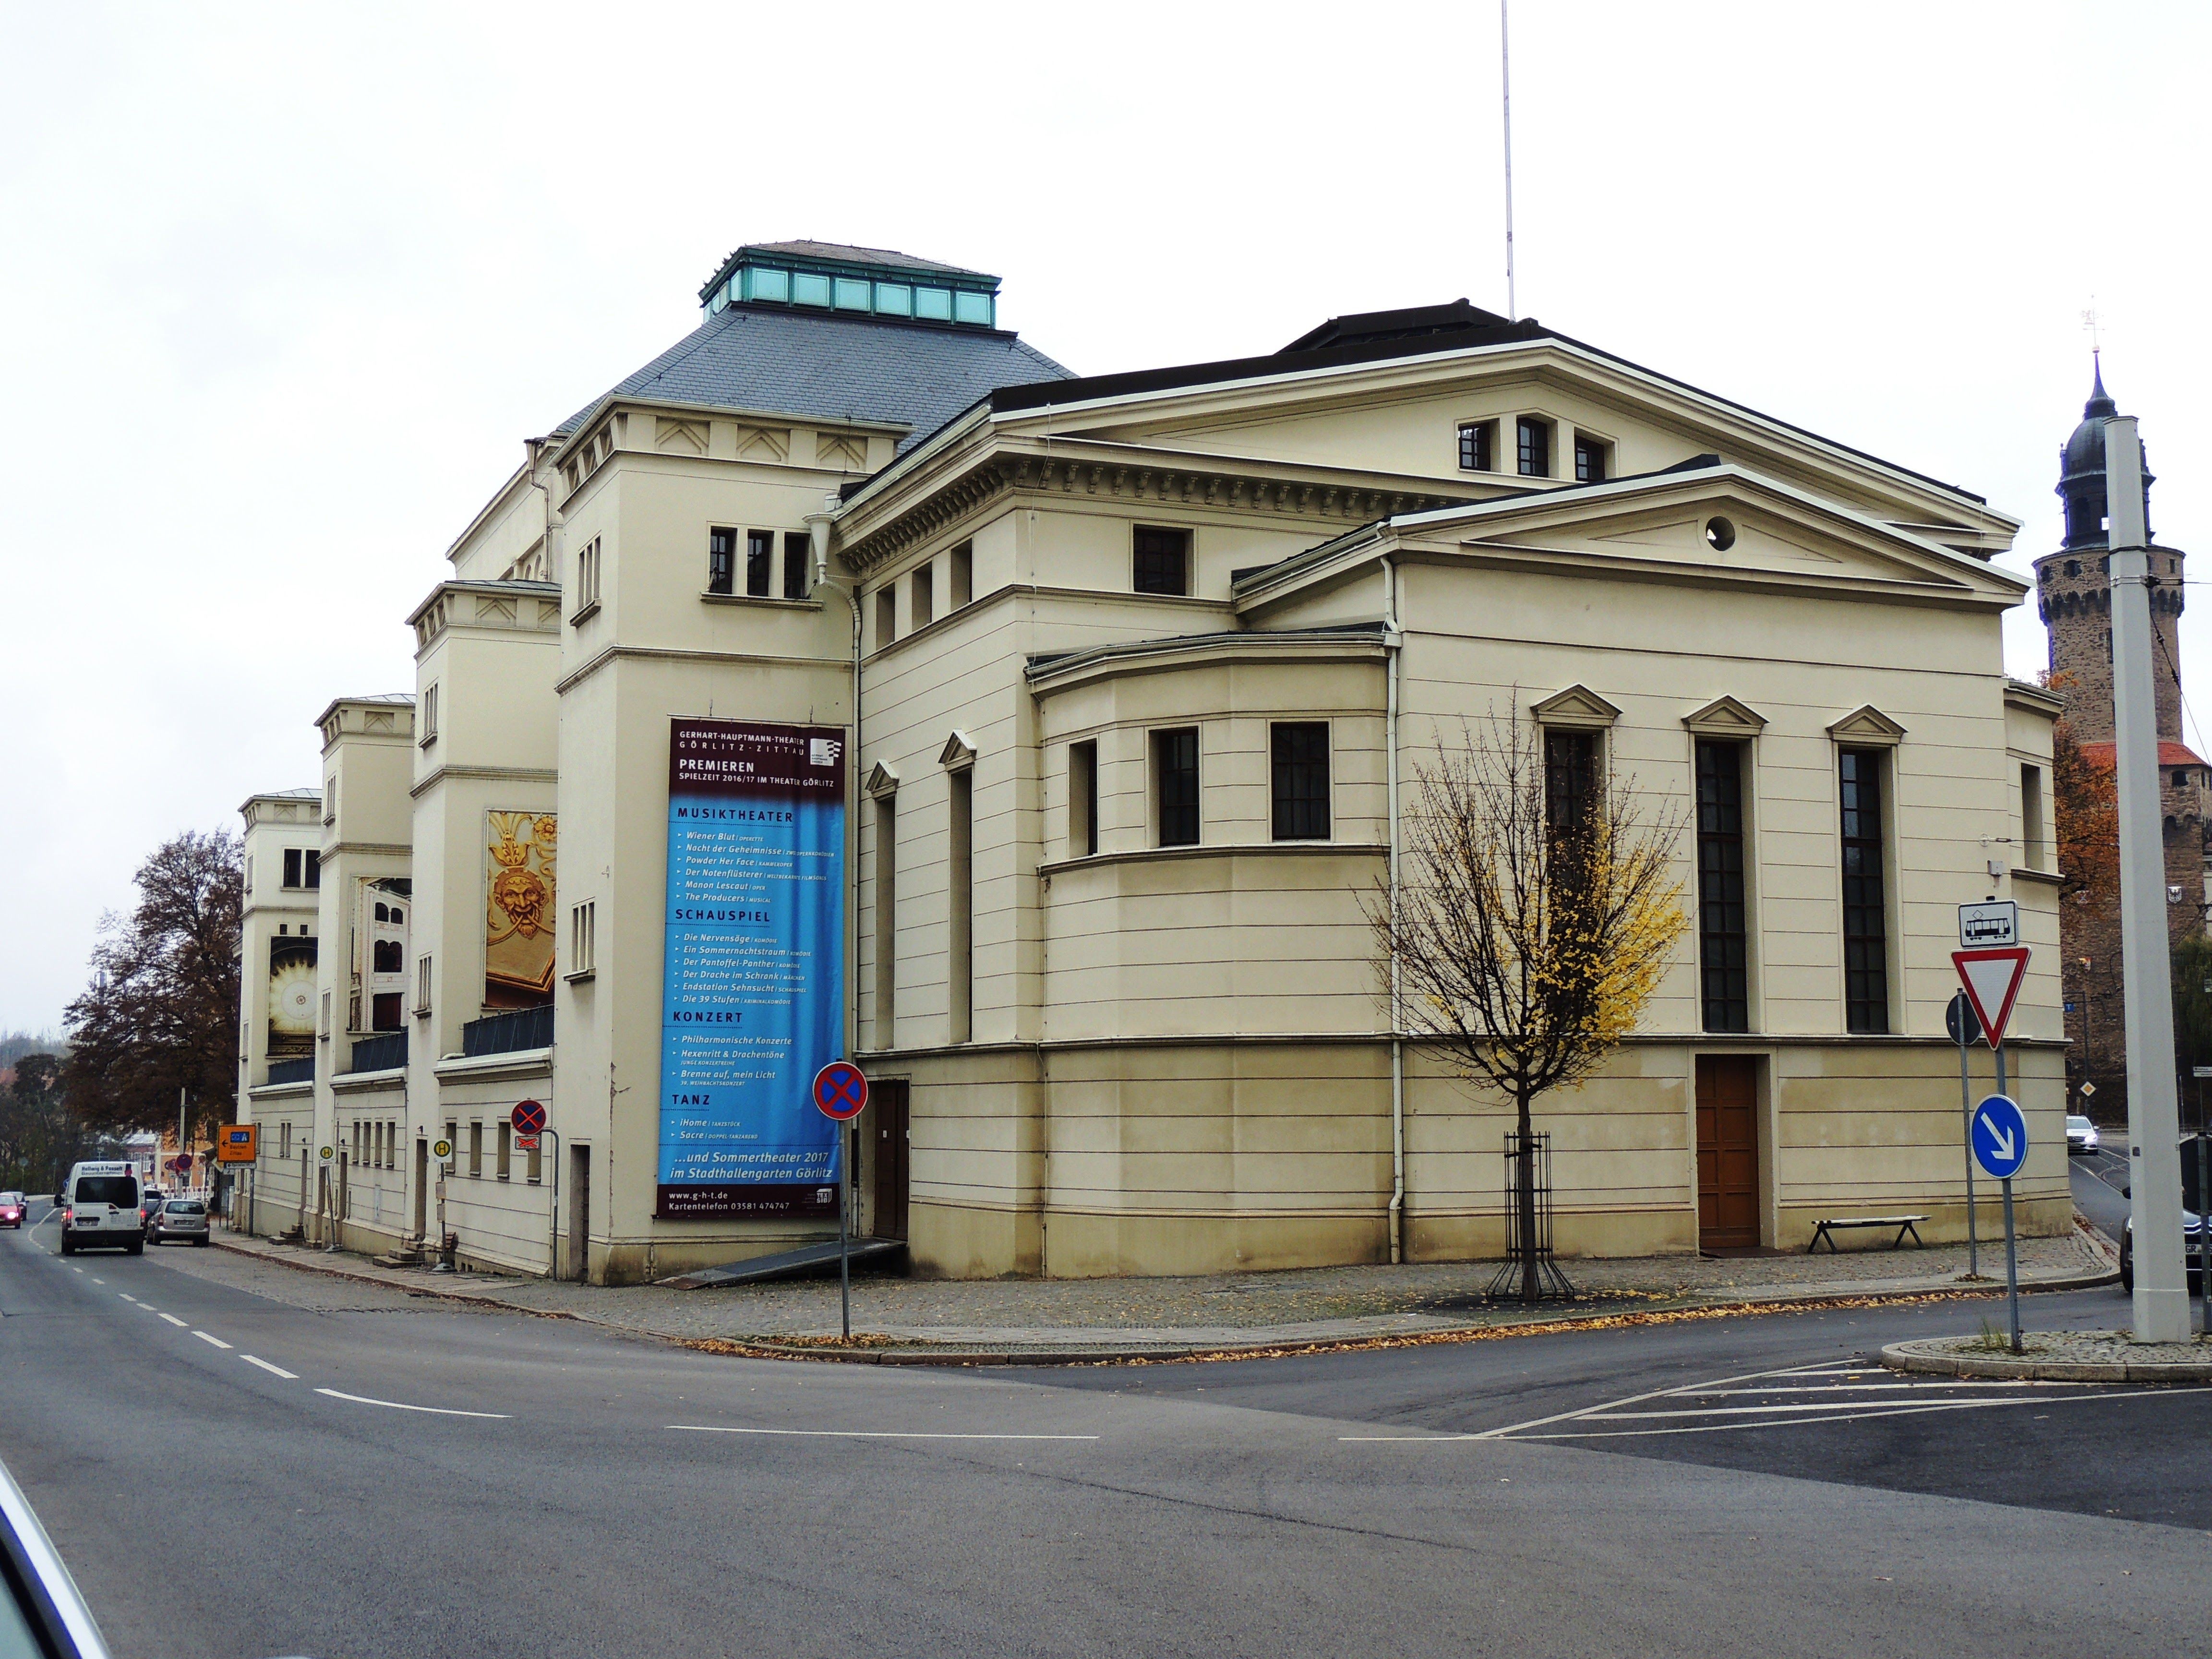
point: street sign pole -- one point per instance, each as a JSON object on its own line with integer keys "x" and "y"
{"x": 2011, "y": 1263}
{"x": 1961, "y": 1021}
{"x": 840, "y": 1091}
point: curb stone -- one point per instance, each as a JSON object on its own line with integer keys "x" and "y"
{"x": 1747, "y": 1303}
{"x": 1920, "y": 1357}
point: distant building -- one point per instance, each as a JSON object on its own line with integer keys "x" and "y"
{"x": 2074, "y": 596}
{"x": 1094, "y": 682}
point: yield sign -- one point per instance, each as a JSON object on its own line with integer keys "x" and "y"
{"x": 1993, "y": 980}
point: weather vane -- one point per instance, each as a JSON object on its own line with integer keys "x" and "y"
{"x": 2093, "y": 323}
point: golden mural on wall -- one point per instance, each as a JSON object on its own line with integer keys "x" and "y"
{"x": 520, "y": 851}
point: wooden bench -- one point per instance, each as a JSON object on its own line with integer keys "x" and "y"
{"x": 1905, "y": 1223}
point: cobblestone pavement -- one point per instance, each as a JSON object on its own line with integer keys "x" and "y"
{"x": 1311, "y": 1304}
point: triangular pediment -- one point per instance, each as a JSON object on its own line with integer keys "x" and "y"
{"x": 882, "y": 780}
{"x": 1724, "y": 717}
{"x": 959, "y": 752}
{"x": 1576, "y": 705}
{"x": 1866, "y": 725}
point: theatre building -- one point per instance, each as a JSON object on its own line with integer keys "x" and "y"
{"x": 854, "y": 679}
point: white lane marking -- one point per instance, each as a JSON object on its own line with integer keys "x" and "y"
{"x": 867, "y": 1434}
{"x": 181, "y": 1324}
{"x": 401, "y": 1406}
{"x": 96, "y": 1279}
{"x": 273, "y": 1370}
{"x": 79, "y": 1270}
{"x": 218, "y": 1340}
{"x": 125, "y": 1295}
{"x": 1614, "y": 1405}
{"x": 1845, "y": 1417}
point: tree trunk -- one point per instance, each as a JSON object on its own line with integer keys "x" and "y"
{"x": 1532, "y": 1288}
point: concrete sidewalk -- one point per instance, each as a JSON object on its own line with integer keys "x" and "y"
{"x": 901, "y": 1321}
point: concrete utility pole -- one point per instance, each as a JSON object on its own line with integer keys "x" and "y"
{"x": 2161, "y": 1297}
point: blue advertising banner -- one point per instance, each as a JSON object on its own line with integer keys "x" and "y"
{"x": 753, "y": 987}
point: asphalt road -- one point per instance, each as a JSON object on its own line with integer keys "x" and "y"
{"x": 238, "y": 1459}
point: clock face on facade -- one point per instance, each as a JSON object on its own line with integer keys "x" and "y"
{"x": 292, "y": 1000}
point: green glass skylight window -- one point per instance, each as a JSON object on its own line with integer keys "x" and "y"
{"x": 809, "y": 288}
{"x": 894, "y": 299}
{"x": 971, "y": 308}
{"x": 933, "y": 302}
{"x": 853, "y": 294}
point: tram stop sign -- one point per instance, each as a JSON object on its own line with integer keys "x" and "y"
{"x": 2000, "y": 1136}
{"x": 840, "y": 1090}
{"x": 529, "y": 1117}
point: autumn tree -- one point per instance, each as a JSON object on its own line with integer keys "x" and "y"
{"x": 161, "y": 1013}
{"x": 1534, "y": 918}
{"x": 40, "y": 1136}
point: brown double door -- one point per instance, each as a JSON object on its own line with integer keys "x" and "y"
{"x": 887, "y": 1116}
{"x": 1727, "y": 1151}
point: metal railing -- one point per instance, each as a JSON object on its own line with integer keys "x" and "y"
{"x": 384, "y": 1052}
{"x": 509, "y": 1033}
{"x": 292, "y": 1070}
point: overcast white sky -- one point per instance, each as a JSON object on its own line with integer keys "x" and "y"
{"x": 283, "y": 289}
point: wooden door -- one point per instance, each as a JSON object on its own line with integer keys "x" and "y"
{"x": 1727, "y": 1151}
{"x": 887, "y": 1111}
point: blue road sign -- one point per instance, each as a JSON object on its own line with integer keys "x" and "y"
{"x": 2000, "y": 1136}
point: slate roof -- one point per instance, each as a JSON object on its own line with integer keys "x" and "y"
{"x": 834, "y": 368}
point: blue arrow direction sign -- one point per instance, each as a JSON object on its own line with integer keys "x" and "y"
{"x": 2000, "y": 1136}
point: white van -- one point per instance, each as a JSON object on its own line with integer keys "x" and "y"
{"x": 99, "y": 1206}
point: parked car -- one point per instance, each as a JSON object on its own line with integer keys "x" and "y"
{"x": 40, "y": 1611}
{"x": 100, "y": 1207}
{"x": 12, "y": 1211}
{"x": 2194, "y": 1227}
{"x": 2080, "y": 1135}
{"x": 179, "y": 1217}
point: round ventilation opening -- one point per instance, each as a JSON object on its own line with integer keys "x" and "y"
{"x": 1720, "y": 535}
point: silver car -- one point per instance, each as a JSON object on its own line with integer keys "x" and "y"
{"x": 2081, "y": 1134}
{"x": 178, "y": 1218}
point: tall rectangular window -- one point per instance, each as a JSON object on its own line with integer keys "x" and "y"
{"x": 505, "y": 1166}
{"x": 293, "y": 877}
{"x": 760, "y": 561}
{"x": 1723, "y": 951}
{"x": 1082, "y": 799}
{"x": 1590, "y": 460}
{"x": 886, "y": 920}
{"x": 422, "y": 985}
{"x": 960, "y": 941}
{"x": 1175, "y": 785}
{"x": 534, "y": 1169}
{"x": 887, "y": 614}
{"x": 313, "y": 874}
{"x": 924, "y": 603}
{"x": 1570, "y": 779}
{"x": 1866, "y": 932}
{"x": 1534, "y": 456}
{"x": 476, "y": 1149}
{"x": 797, "y": 563}
{"x": 1300, "y": 768}
{"x": 583, "y": 938}
{"x": 2034, "y": 834}
{"x": 960, "y": 574}
{"x": 429, "y": 715}
{"x": 587, "y": 576}
{"x": 1162, "y": 559}
{"x": 1477, "y": 441}
{"x": 722, "y": 561}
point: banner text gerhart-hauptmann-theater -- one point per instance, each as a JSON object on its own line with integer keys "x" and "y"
{"x": 752, "y": 996}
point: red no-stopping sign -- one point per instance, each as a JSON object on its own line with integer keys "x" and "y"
{"x": 840, "y": 1090}
{"x": 529, "y": 1117}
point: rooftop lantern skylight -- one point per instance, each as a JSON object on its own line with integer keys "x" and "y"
{"x": 854, "y": 281}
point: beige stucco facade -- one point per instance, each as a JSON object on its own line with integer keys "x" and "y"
{"x": 1130, "y": 1057}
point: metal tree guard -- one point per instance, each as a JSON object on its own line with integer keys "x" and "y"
{"x": 1551, "y": 1284}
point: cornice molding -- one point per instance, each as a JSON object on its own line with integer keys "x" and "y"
{"x": 1228, "y": 485}
{"x": 1868, "y": 726}
{"x": 1577, "y": 708}
{"x": 487, "y": 773}
{"x": 1724, "y": 717}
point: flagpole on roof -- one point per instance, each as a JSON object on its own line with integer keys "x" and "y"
{"x": 1506, "y": 74}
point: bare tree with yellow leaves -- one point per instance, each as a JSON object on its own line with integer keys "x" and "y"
{"x": 1537, "y": 909}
